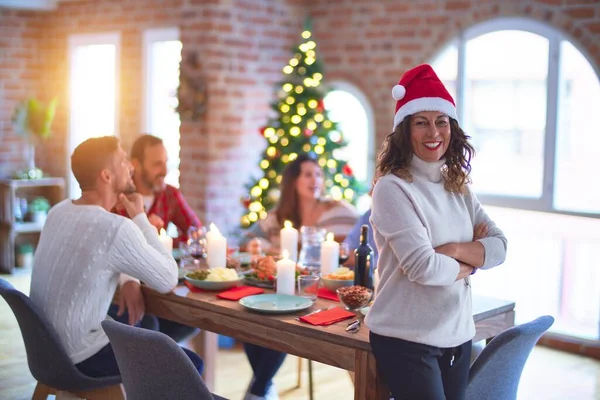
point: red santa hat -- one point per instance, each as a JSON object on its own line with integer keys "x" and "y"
{"x": 420, "y": 89}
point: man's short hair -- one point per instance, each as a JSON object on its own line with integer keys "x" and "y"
{"x": 91, "y": 157}
{"x": 141, "y": 144}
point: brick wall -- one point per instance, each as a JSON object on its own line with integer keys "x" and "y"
{"x": 20, "y": 70}
{"x": 370, "y": 44}
{"x": 242, "y": 46}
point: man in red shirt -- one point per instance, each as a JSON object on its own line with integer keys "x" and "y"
{"x": 163, "y": 204}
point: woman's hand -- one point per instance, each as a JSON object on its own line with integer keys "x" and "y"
{"x": 480, "y": 231}
{"x": 448, "y": 249}
{"x": 471, "y": 253}
{"x": 465, "y": 271}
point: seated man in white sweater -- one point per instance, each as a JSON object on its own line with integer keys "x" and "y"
{"x": 85, "y": 251}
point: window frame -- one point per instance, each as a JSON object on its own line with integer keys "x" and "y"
{"x": 366, "y": 104}
{"x": 554, "y": 37}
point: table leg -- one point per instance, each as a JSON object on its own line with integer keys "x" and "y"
{"x": 367, "y": 382}
{"x": 206, "y": 345}
{"x": 311, "y": 390}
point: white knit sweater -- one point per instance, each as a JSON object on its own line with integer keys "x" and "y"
{"x": 82, "y": 252}
{"x": 417, "y": 297}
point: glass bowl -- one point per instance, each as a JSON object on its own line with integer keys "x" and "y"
{"x": 354, "y": 297}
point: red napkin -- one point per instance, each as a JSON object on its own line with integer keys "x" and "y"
{"x": 328, "y": 317}
{"x": 193, "y": 288}
{"x": 239, "y": 292}
{"x": 325, "y": 293}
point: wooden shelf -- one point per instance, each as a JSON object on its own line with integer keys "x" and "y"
{"x": 53, "y": 189}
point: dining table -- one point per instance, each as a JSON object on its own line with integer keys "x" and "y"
{"x": 330, "y": 344}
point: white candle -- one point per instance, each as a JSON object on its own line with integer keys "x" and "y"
{"x": 330, "y": 254}
{"x": 216, "y": 248}
{"x": 166, "y": 240}
{"x": 288, "y": 238}
{"x": 286, "y": 275}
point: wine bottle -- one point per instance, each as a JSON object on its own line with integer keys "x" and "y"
{"x": 363, "y": 256}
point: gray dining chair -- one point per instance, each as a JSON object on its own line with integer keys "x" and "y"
{"x": 153, "y": 366}
{"x": 48, "y": 360}
{"x": 496, "y": 373}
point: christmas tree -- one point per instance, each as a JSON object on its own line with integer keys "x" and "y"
{"x": 301, "y": 125}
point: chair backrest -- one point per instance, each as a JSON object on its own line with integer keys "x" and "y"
{"x": 48, "y": 361}
{"x": 153, "y": 366}
{"x": 495, "y": 374}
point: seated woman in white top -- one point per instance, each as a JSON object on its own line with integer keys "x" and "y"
{"x": 301, "y": 203}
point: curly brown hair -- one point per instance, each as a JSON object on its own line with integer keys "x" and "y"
{"x": 397, "y": 152}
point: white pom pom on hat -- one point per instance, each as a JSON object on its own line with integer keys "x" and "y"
{"x": 398, "y": 92}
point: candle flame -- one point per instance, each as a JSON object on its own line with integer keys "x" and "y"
{"x": 213, "y": 228}
{"x": 163, "y": 232}
{"x": 287, "y": 224}
{"x": 285, "y": 254}
{"x": 330, "y": 237}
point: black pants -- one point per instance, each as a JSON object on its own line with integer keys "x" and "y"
{"x": 415, "y": 371}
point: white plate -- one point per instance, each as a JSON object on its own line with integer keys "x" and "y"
{"x": 276, "y": 303}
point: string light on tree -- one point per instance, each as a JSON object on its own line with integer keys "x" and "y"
{"x": 301, "y": 125}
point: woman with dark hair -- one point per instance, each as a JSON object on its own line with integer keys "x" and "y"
{"x": 432, "y": 234}
{"x": 301, "y": 202}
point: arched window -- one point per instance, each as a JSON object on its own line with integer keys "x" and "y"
{"x": 528, "y": 98}
{"x": 349, "y": 107}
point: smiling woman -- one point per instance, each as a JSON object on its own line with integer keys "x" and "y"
{"x": 424, "y": 220}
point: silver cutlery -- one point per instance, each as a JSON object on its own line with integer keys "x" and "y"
{"x": 353, "y": 326}
{"x": 315, "y": 312}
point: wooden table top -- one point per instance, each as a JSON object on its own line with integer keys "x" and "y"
{"x": 483, "y": 308}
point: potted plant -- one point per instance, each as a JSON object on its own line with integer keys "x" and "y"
{"x": 25, "y": 255}
{"x": 38, "y": 208}
{"x": 32, "y": 119}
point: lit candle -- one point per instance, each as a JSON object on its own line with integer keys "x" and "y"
{"x": 288, "y": 239}
{"x": 286, "y": 275}
{"x": 166, "y": 240}
{"x": 330, "y": 255}
{"x": 216, "y": 248}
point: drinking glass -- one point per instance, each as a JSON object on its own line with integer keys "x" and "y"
{"x": 195, "y": 234}
{"x": 344, "y": 253}
{"x": 307, "y": 286}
